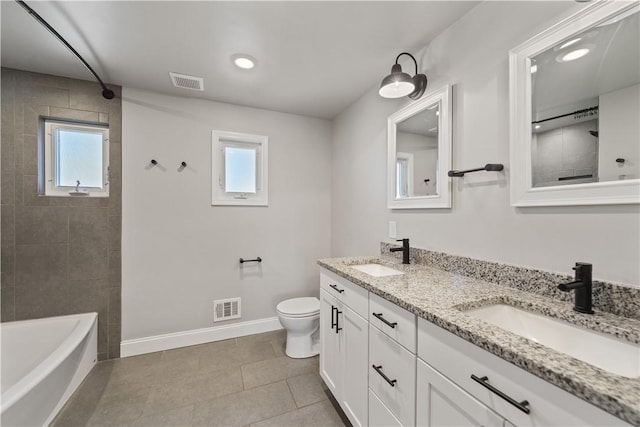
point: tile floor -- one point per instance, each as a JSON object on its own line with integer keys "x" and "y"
{"x": 238, "y": 382}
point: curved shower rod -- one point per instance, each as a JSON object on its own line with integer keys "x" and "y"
{"x": 106, "y": 92}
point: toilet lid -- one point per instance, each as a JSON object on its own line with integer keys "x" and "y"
{"x": 299, "y": 306}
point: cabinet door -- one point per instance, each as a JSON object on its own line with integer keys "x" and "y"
{"x": 442, "y": 403}
{"x": 354, "y": 343}
{"x": 329, "y": 344}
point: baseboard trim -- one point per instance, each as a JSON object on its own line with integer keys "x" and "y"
{"x": 197, "y": 336}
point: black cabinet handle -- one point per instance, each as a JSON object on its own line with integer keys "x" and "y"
{"x": 378, "y": 369}
{"x": 335, "y": 288}
{"x": 338, "y": 313}
{"x": 383, "y": 320}
{"x": 523, "y": 406}
{"x": 333, "y": 322}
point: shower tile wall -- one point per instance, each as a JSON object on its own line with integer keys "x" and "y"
{"x": 565, "y": 152}
{"x": 60, "y": 255}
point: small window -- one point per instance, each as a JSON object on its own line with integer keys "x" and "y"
{"x": 76, "y": 159}
{"x": 239, "y": 163}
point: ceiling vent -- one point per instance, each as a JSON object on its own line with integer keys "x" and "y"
{"x": 185, "y": 81}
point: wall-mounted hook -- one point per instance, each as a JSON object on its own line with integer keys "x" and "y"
{"x": 620, "y": 160}
{"x": 183, "y": 164}
{"x": 154, "y": 162}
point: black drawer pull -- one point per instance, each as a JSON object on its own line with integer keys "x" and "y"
{"x": 333, "y": 322}
{"x": 335, "y": 288}
{"x": 338, "y": 313}
{"x": 523, "y": 406}
{"x": 383, "y": 320}
{"x": 378, "y": 369}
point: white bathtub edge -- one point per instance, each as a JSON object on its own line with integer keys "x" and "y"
{"x": 85, "y": 365}
{"x": 155, "y": 343}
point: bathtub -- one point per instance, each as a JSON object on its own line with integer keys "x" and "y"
{"x": 43, "y": 362}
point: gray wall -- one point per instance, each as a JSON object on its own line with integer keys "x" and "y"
{"x": 60, "y": 255}
{"x": 179, "y": 253}
{"x": 565, "y": 152}
{"x": 472, "y": 55}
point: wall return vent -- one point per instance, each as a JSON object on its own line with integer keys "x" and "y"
{"x": 185, "y": 81}
{"x": 226, "y": 309}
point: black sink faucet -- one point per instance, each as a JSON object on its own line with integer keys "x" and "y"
{"x": 404, "y": 249}
{"x": 582, "y": 285}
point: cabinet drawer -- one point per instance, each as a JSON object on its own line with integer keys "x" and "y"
{"x": 397, "y": 390}
{"x": 354, "y": 296}
{"x": 380, "y": 415}
{"x": 398, "y": 323}
{"x": 549, "y": 405}
{"x": 442, "y": 403}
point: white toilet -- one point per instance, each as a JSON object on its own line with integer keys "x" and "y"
{"x": 300, "y": 317}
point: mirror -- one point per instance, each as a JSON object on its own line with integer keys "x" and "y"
{"x": 419, "y": 153}
{"x": 575, "y": 103}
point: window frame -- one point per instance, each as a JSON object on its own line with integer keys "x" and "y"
{"x": 49, "y": 169}
{"x": 220, "y": 197}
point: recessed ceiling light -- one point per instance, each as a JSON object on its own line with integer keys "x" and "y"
{"x": 569, "y": 43}
{"x": 573, "y": 55}
{"x": 243, "y": 61}
{"x": 534, "y": 68}
{"x": 537, "y": 126}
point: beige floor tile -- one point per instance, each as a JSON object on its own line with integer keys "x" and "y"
{"x": 307, "y": 389}
{"x": 320, "y": 414}
{"x": 117, "y": 412}
{"x": 276, "y": 335}
{"x": 245, "y": 407}
{"x": 173, "y": 418}
{"x": 178, "y": 394}
{"x": 269, "y": 371}
{"x": 171, "y": 387}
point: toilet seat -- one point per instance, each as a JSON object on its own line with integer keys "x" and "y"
{"x": 299, "y": 307}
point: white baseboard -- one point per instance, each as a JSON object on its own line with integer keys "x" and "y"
{"x": 197, "y": 336}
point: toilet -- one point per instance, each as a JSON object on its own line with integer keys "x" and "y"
{"x": 300, "y": 317}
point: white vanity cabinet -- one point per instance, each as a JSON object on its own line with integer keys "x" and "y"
{"x": 447, "y": 374}
{"x": 344, "y": 344}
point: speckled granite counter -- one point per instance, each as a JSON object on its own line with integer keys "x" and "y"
{"x": 438, "y": 296}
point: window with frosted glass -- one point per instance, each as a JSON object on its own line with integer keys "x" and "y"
{"x": 79, "y": 158}
{"x": 240, "y": 174}
{"x": 240, "y": 169}
{"x": 76, "y": 159}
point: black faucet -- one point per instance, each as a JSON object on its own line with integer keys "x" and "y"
{"x": 404, "y": 249}
{"x": 582, "y": 285}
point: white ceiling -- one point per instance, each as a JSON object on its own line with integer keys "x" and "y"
{"x": 314, "y": 58}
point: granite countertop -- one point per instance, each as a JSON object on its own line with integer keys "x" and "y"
{"x": 439, "y": 296}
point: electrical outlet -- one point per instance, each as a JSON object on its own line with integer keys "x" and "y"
{"x": 392, "y": 230}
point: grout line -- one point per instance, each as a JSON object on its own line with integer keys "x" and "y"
{"x": 295, "y": 402}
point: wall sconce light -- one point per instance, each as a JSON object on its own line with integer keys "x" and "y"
{"x": 399, "y": 84}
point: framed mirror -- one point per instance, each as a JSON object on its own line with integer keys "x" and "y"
{"x": 419, "y": 153}
{"x": 575, "y": 108}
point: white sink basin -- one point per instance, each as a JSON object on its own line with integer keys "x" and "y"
{"x": 599, "y": 349}
{"x": 377, "y": 270}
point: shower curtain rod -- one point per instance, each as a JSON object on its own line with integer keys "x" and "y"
{"x": 585, "y": 111}
{"x": 106, "y": 92}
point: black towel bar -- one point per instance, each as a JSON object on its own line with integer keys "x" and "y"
{"x": 488, "y": 167}
{"x": 242, "y": 260}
